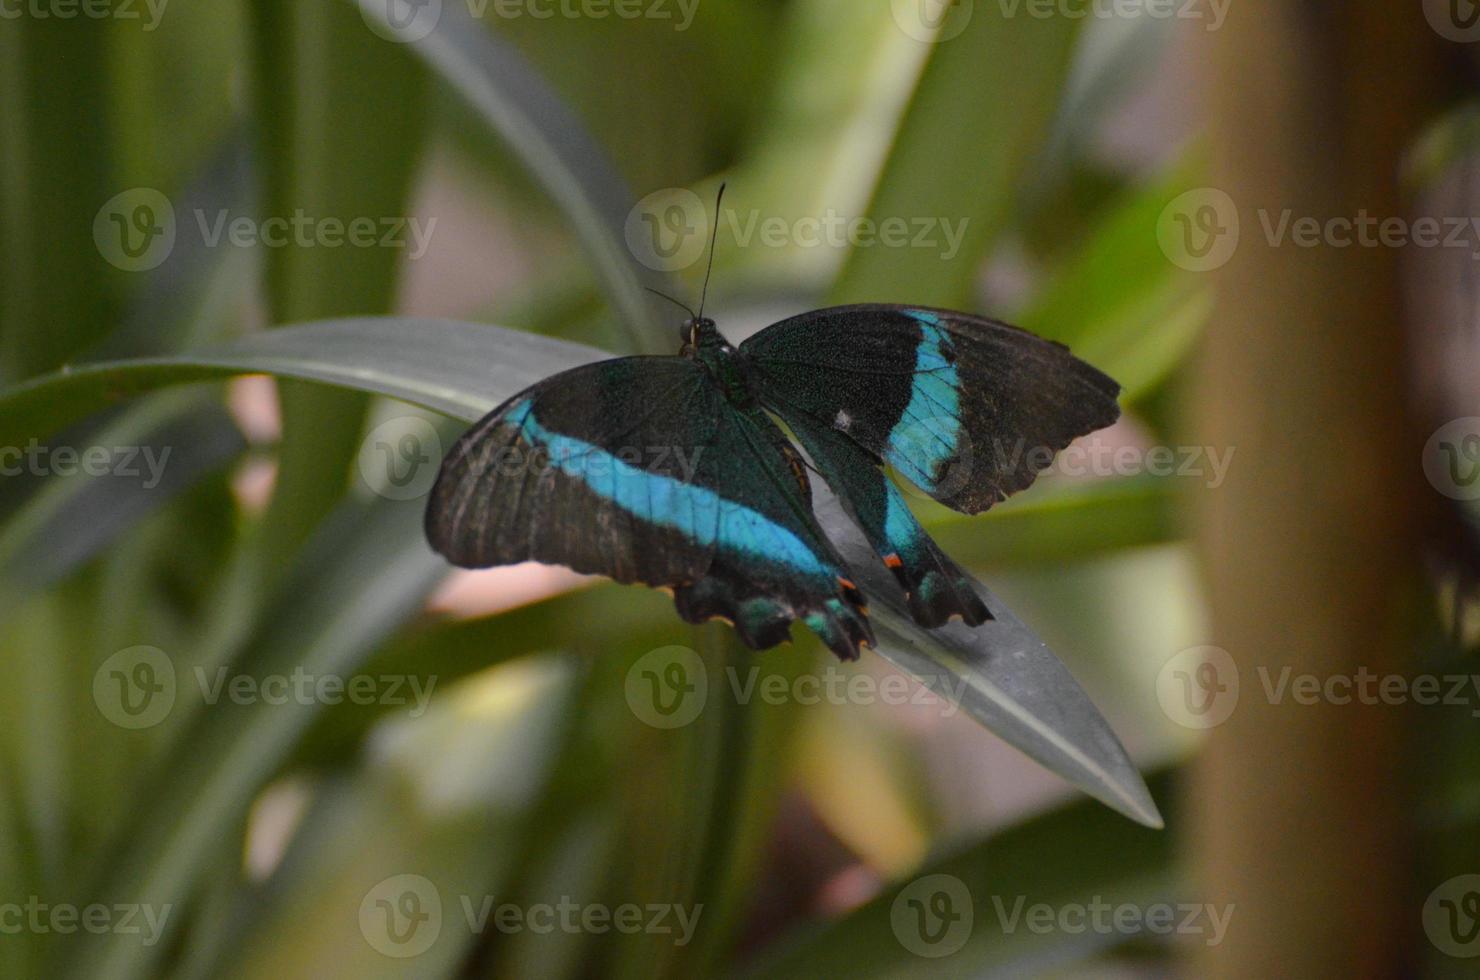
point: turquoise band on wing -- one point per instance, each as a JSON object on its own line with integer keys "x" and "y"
{"x": 927, "y": 433}
{"x": 697, "y": 512}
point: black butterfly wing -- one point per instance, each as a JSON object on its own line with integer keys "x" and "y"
{"x": 935, "y": 587}
{"x": 640, "y": 469}
{"x": 970, "y": 410}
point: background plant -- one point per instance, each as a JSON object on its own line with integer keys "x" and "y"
{"x": 266, "y": 827}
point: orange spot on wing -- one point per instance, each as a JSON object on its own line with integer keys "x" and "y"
{"x": 893, "y": 561}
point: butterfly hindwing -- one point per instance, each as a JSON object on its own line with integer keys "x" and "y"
{"x": 968, "y": 409}
{"x": 641, "y": 470}
{"x": 935, "y": 587}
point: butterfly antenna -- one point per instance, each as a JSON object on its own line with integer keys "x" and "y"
{"x": 681, "y": 306}
{"x": 713, "y": 237}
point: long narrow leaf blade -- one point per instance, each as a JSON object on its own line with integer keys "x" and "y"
{"x": 575, "y": 171}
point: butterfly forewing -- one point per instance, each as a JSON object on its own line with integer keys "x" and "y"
{"x": 968, "y": 409}
{"x": 641, "y": 470}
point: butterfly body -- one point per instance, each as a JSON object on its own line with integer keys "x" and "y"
{"x": 671, "y": 471}
{"x": 724, "y": 362}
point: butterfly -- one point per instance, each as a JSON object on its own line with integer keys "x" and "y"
{"x": 672, "y": 471}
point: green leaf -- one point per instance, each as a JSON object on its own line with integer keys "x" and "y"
{"x": 1076, "y": 855}
{"x": 1117, "y": 299}
{"x": 961, "y": 151}
{"x": 362, "y": 575}
{"x": 1001, "y": 674}
{"x": 71, "y": 518}
{"x": 331, "y": 99}
{"x": 573, "y": 169}
{"x": 458, "y": 369}
{"x": 57, "y": 292}
{"x": 448, "y": 795}
{"x": 843, "y": 82}
{"x": 1443, "y": 145}
{"x": 1066, "y": 522}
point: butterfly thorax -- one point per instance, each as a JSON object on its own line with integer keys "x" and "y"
{"x": 725, "y": 364}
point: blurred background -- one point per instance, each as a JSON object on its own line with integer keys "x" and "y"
{"x": 251, "y": 726}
